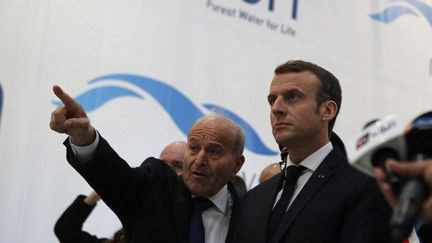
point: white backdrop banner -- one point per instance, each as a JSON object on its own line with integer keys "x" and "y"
{"x": 145, "y": 70}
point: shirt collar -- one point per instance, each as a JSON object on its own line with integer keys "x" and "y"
{"x": 220, "y": 199}
{"x": 314, "y": 160}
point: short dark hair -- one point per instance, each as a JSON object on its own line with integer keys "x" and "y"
{"x": 329, "y": 89}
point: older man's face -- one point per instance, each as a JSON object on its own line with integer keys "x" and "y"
{"x": 210, "y": 161}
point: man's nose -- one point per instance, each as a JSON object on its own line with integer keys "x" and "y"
{"x": 278, "y": 106}
{"x": 201, "y": 158}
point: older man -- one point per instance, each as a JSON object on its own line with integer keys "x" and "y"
{"x": 68, "y": 227}
{"x": 318, "y": 197}
{"x": 151, "y": 201}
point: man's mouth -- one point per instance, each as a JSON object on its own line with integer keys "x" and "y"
{"x": 199, "y": 175}
{"x": 280, "y": 125}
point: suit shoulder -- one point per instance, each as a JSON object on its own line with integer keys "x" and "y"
{"x": 265, "y": 187}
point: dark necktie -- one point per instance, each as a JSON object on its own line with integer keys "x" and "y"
{"x": 291, "y": 177}
{"x": 196, "y": 228}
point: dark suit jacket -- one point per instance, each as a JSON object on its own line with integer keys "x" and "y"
{"x": 68, "y": 227}
{"x": 425, "y": 233}
{"x": 151, "y": 201}
{"x": 337, "y": 204}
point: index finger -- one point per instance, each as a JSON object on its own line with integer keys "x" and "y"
{"x": 67, "y": 100}
{"x": 385, "y": 186}
{"x": 409, "y": 169}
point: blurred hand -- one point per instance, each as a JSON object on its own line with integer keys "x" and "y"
{"x": 419, "y": 169}
{"x": 92, "y": 198}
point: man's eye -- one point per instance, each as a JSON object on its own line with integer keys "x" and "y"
{"x": 193, "y": 148}
{"x": 291, "y": 97}
{"x": 214, "y": 152}
{"x": 271, "y": 100}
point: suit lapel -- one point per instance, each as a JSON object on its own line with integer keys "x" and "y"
{"x": 235, "y": 212}
{"x": 312, "y": 186}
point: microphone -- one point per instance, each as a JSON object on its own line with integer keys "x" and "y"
{"x": 382, "y": 139}
{"x": 414, "y": 190}
{"x": 386, "y": 139}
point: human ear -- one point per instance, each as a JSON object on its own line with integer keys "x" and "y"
{"x": 238, "y": 164}
{"x": 328, "y": 110}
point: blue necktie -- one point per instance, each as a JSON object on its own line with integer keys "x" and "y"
{"x": 291, "y": 176}
{"x": 196, "y": 228}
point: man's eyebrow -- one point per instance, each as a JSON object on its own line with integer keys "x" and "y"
{"x": 214, "y": 144}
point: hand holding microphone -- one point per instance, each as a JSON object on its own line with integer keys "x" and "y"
{"x": 385, "y": 140}
{"x": 409, "y": 169}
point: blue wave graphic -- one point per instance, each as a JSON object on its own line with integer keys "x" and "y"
{"x": 252, "y": 139}
{"x": 391, "y": 14}
{"x": 1, "y": 102}
{"x": 95, "y": 98}
{"x": 423, "y": 8}
{"x": 181, "y": 110}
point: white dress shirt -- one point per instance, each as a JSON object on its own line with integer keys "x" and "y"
{"x": 216, "y": 219}
{"x": 311, "y": 163}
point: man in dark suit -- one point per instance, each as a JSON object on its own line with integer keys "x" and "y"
{"x": 329, "y": 200}
{"x": 69, "y": 227}
{"x": 151, "y": 201}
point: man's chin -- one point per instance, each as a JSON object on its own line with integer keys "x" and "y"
{"x": 201, "y": 193}
{"x": 282, "y": 139}
{"x": 197, "y": 189}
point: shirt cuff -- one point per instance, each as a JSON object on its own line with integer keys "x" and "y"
{"x": 84, "y": 154}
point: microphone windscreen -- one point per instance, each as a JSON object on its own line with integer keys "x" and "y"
{"x": 377, "y": 142}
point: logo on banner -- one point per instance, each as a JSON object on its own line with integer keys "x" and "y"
{"x": 178, "y": 106}
{"x": 271, "y": 4}
{"x": 277, "y": 22}
{"x": 401, "y": 8}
